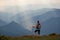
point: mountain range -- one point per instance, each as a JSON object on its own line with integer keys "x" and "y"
{"x": 50, "y": 22}
{"x": 13, "y": 29}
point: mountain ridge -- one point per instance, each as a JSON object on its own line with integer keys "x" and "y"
{"x": 14, "y": 29}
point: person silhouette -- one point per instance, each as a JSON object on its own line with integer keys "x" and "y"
{"x": 38, "y": 26}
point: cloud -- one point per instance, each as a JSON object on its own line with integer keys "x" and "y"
{"x": 25, "y": 3}
{"x": 7, "y": 2}
{"x": 29, "y": 4}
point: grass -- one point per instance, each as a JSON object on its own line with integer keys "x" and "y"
{"x": 57, "y": 37}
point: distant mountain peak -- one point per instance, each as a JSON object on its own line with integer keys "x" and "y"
{"x": 13, "y": 23}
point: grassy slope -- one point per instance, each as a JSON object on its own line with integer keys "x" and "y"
{"x": 31, "y": 38}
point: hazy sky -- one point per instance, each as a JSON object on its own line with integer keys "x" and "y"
{"x": 29, "y": 4}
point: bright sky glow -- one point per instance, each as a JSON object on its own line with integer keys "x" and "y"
{"x": 30, "y": 4}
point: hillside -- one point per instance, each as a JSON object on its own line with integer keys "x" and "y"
{"x": 13, "y": 29}
{"x": 56, "y": 37}
{"x": 2, "y": 23}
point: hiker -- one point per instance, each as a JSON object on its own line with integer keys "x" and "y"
{"x": 38, "y": 26}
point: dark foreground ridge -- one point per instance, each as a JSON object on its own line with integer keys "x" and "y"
{"x": 31, "y": 37}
